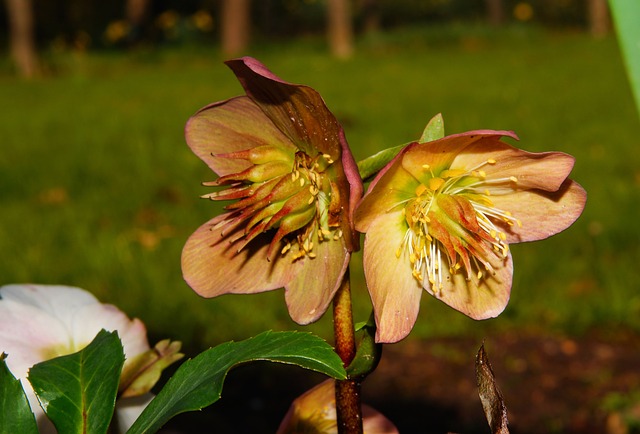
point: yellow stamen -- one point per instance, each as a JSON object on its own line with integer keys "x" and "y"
{"x": 435, "y": 183}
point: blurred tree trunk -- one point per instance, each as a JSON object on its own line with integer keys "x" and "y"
{"x": 495, "y": 12}
{"x": 136, "y": 15}
{"x": 339, "y": 28}
{"x": 22, "y": 40}
{"x": 599, "y": 21}
{"x": 235, "y": 26}
{"x": 371, "y": 16}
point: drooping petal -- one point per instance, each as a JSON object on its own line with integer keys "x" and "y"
{"x": 298, "y": 111}
{"x": 395, "y": 293}
{"x": 315, "y": 281}
{"x": 302, "y": 115}
{"x": 229, "y": 126}
{"x": 541, "y": 213}
{"x": 478, "y": 298}
{"x": 355, "y": 189}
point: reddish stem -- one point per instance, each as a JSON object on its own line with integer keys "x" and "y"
{"x": 348, "y": 407}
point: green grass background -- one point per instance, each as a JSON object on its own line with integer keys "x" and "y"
{"x": 99, "y": 190}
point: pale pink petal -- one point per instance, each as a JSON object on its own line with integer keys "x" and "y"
{"x": 129, "y": 409}
{"x": 89, "y": 320}
{"x": 541, "y": 213}
{"x": 478, "y": 299}
{"x": 229, "y": 126}
{"x": 395, "y": 293}
{"x": 27, "y": 334}
{"x": 316, "y": 281}
{"x": 38, "y": 322}
{"x": 56, "y": 300}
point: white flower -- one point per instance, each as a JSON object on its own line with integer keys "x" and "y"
{"x": 40, "y": 322}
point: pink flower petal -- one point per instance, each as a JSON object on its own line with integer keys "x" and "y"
{"x": 395, "y": 293}
{"x": 229, "y": 126}
{"x": 392, "y": 188}
{"x": 28, "y": 334}
{"x": 315, "y": 411}
{"x": 478, "y": 299}
{"x": 545, "y": 170}
{"x": 541, "y": 213}
{"x": 129, "y": 409}
{"x": 39, "y": 322}
{"x": 211, "y": 265}
{"x": 440, "y": 154}
{"x": 315, "y": 281}
{"x": 89, "y": 320}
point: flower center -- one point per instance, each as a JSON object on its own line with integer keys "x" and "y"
{"x": 60, "y": 349}
{"x": 288, "y": 192}
{"x": 453, "y": 223}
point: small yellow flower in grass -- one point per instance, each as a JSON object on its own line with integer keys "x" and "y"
{"x": 282, "y": 157}
{"x": 441, "y": 215}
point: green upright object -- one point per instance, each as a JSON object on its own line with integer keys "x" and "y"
{"x": 626, "y": 14}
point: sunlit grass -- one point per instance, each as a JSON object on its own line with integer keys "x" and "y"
{"x": 98, "y": 189}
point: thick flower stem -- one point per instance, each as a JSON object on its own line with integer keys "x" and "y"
{"x": 348, "y": 408}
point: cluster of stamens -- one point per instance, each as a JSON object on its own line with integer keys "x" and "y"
{"x": 287, "y": 192}
{"x": 469, "y": 240}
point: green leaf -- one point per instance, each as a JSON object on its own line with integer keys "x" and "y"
{"x": 434, "y": 129}
{"x": 372, "y": 165}
{"x": 198, "y": 382}
{"x": 15, "y": 412}
{"x": 368, "y": 353}
{"x": 78, "y": 391}
{"x": 626, "y": 14}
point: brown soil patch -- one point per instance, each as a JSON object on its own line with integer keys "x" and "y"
{"x": 550, "y": 385}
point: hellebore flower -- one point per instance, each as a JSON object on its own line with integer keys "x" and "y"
{"x": 40, "y": 322}
{"x": 441, "y": 215}
{"x": 314, "y": 412}
{"x": 283, "y": 158}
